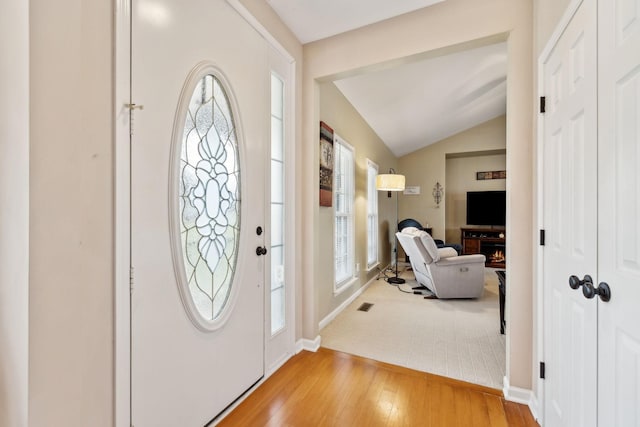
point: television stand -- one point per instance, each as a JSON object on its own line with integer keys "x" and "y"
{"x": 487, "y": 241}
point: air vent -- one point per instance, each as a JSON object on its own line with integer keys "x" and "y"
{"x": 365, "y": 306}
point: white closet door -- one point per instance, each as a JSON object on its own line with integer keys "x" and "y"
{"x": 570, "y": 200}
{"x": 619, "y": 212}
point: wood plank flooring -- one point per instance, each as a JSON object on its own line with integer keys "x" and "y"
{"x": 329, "y": 388}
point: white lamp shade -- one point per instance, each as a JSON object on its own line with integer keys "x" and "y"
{"x": 390, "y": 182}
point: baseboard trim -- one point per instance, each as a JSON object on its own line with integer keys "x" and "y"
{"x": 534, "y": 407}
{"x": 309, "y": 345}
{"x": 324, "y": 322}
{"x": 520, "y": 395}
{"x": 516, "y": 394}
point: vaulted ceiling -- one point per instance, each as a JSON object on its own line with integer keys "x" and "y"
{"x": 418, "y": 103}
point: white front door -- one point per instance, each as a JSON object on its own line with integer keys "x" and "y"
{"x": 570, "y": 222}
{"x": 619, "y": 212}
{"x": 197, "y": 307}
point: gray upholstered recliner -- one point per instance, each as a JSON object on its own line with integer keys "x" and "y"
{"x": 442, "y": 271}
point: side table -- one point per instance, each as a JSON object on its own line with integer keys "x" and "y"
{"x": 502, "y": 277}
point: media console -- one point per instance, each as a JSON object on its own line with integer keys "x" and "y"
{"x": 487, "y": 241}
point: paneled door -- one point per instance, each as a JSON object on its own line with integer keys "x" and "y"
{"x": 570, "y": 221}
{"x": 592, "y": 211}
{"x": 619, "y": 212}
{"x": 200, "y": 79}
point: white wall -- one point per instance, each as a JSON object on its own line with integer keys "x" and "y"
{"x": 14, "y": 212}
{"x": 432, "y": 31}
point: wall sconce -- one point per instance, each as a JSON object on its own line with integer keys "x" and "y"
{"x": 437, "y": 192}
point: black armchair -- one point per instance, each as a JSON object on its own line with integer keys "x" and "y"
{"x": 410, "y": 222}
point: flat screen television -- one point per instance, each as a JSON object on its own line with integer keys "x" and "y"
{"x": 486, "y": 207}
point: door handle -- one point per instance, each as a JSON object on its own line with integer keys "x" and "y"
{"x": 575, "y": 282}
{"x": 603, "y": 291}
{"x": 261, "y": 250}
{"x": 588, "y": 290}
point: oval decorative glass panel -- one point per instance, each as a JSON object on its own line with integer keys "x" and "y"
{"x": 209, "y": 199}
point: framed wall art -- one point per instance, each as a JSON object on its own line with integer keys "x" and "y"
{"x": 481, "y": 176}
{"x": 326, "y": 165}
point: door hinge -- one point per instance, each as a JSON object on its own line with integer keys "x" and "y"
{"x": 543, "y": 104}
{"x": 542, "y": 237}
{"x": 542, "y": 368}
{"x": 132, "y": 107}
{"x": 130, "y": 278}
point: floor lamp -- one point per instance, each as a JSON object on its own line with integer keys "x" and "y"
{"x": 392, "y": 182}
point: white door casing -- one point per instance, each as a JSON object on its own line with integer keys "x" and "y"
{"x": 619, "y": 212}
{"x": 181, "y": 374}
{"x": 570, "y": 220}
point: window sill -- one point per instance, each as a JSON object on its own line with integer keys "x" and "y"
{"x": 344, "y": 287}
{"x": 373, "y": 267}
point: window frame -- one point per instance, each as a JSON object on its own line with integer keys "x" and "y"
{"x": 278, "y": 276}
{"x": 373, "y": 232}
{"x": 343, "y": 281}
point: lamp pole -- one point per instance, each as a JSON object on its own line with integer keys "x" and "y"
{"x": 396, "y": 280}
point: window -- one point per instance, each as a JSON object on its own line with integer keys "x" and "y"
{"x": 277, "y": 205}
{"x": 372, "y": 215}
{"x": 344, "y": 195}
{"x": 208, "y": 208}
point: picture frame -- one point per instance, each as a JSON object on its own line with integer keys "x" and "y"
{"x": 412, "y": 191}
{"x": 481, "y": 176}
{"x": 326, "y": 165}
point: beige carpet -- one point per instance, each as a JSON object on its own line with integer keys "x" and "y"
{"x": 456, "y": 338}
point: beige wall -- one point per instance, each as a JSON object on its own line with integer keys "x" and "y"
{"x": 338, "y": 113}
{"x": 14, "y": 212}
{"x": 274, "y": 25}
{"x": 547, "y": 15}
{"x": 431, "y": 31}
{"x": 71, "y": 198}
{"x": 461, "y": 177}
{"x": 427, "y": 166}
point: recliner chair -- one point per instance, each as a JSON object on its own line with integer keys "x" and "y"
{"x": 441, "y": 270}
{"x": 410, "y": 222}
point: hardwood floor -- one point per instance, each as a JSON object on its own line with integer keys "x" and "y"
{"x": 328, "y": 388}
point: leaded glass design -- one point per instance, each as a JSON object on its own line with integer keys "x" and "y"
{"x": 209, "y": 197}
